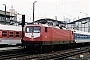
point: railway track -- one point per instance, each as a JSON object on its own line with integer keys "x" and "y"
{"x": 56, "y": 55}
{"x": 8, "y": 54}
{"x": 24, "y": 54}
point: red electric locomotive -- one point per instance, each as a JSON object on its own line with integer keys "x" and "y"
{"x": 44, "y": 35}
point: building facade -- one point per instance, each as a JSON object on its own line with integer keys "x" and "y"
{"x": 2, "y": 17}
{"x": 81, "y": 24}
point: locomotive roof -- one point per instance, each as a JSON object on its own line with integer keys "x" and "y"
{"x": 37, "y": 25}
{"x": 45, "y": 25}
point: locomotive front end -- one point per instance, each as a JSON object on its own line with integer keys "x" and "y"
{"x": 32, "y": 36}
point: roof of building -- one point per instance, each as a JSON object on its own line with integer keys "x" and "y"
{"x": 7, "y": 14}
{"x": 48, "y": 20}
{"x": 82, "y": 19}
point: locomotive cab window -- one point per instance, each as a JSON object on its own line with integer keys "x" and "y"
{"x": 46, "y": 29}
{"x": 30, "y": 29}
{"x": 36, "y": 29}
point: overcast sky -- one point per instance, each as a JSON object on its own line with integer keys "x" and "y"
{"x": 71, "y": 9}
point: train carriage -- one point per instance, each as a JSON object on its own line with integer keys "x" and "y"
{"x": 10, "y": 35}
{"x": 81, "y": 37}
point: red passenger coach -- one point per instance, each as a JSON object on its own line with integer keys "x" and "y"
{"x": 10, "y": 35}
{"x": 42, "y": 35}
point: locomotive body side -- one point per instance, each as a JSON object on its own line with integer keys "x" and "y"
{"x": 55, "y": 36}
{"x": 62, "y": 36}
